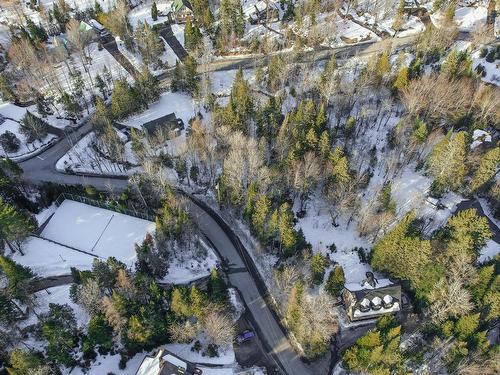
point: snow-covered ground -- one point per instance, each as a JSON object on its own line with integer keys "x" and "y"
{"x": 488, "y": 252}
{"x": 466, "y": 18}
{"x": 320, "y": 233}
{"x": 107, "y": 364}
{"x": 99, "y": 60}
{"x": 83, "y": 158}
{"x": 142, "y": 13}
{"x": 58, "y": 295}
{"x": 492, "y": 69}
{"x": 10, "y": 117}
{"x": 25, "y": 148}
{"x": 184, "y": 268}
{"x": 47, "y": 259}
{"x": 103, "y": 232}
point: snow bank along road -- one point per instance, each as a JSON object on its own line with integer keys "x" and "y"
{"x": 42, "y": 169}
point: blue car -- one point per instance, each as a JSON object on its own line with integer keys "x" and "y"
{"x": 245, "y": 336}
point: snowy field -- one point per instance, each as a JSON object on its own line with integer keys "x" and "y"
{"x": 102, "y": 232}
{"x": 47, "y": 259}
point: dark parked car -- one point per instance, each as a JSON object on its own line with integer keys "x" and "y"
{"x": 245, "y": 336}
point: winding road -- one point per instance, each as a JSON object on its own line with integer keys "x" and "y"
{"x": 242, "y": 274}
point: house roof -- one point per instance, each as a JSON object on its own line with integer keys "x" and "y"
{"x": 168, "y": 121}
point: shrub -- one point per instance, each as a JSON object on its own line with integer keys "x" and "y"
{"x": 483, "y": 52}
{"x": 336, "y": 281}
{"x": 10, "y": 142}
{"x": 490, "y": 57}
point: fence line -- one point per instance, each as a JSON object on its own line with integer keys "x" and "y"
{"x": 104, "y": 205}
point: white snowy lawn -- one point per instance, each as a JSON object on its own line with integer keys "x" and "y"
{"x": 47, "y": 259}
{"x": 102, "y": 232}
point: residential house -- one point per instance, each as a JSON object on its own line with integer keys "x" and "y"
{"x": 371, "y": 298}
{"x": 180, "y": 11}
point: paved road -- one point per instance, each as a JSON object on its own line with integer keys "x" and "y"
{"x": 42, "y": 169}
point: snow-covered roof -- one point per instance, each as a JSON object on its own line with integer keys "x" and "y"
{"x": 365, "y": 285}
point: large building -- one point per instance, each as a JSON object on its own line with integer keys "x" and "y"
{"x": 371, "y": 298}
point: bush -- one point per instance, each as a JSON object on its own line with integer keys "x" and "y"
{"x": 212, "y": 350}
{"x": 480, "y": 70}
{"x": 335, "y": 282}
{"x": 123, "y": 362}
{"x": 490, "y": 57}
{"x": 10, "y": 142}
{"x": 483, "y": 52}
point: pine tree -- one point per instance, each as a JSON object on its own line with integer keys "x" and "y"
{"x": 192, "y": 35}
{"x": 154, "y": 11}
{"x": 336, "y": 280}
{"x": 287, "y": 233}
{"x": 196, "y": 302}
{"x": 259, "y": 216}
{"x": 447, "y": 162}
{"x": 466, "y": 231}
{"x": 137, "y": 331}
{"x": 420, "y": 131}
{"x": 37, "y": 32}
{"x": 324, "y": 145}
{"x": 178, "y": 303}
{"x": 18, "y": 278}
{"x": 23, "y": 362}
{"x": 6, "y": 89}
{"x": 318, "y": 266}
{"x": 402, "y": 79}
{"x": 99, "y": 335}
{"x": 15, "y": 226}
{"x": 177, "y": 83}
{"x": 486, "y": 170}
{"x": 191, "y": 75}
{"x": 124, "y": 101}
{"x": 147, "y": 87}
{"x": 401, "y": 252}
{"x": 216, "y": 287}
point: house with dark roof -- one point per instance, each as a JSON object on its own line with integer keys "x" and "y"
{"x": 167, "y": 124}
{"x": 371, "y": 298}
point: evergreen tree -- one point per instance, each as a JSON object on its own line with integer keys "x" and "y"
{"x": 486, "y": 170}
{"x": 179, "y": 304}
{"x": 124, "y": 100}
{"x": 259, "y": 216}
{"x": 70, "y": 105}
{"x": 97, "y": 9}
{"x": 191, "y": 75}
{"x": 154, "y": 11}
{"x": 324, "y": 145}
{"x": 216, "y": 288}
{"x": 60, "y": 331}
{"x": 147, "y": 87}
{"x": 99, "y": 335}
{"x": 177, "y": 83}
{"x": 33, "y": 128}
{"x": 466, "y": 232}
{"x": 335, "y": 282}
{"x": 402, "y": 79}
{"x": 385, "y": 199}
{"x": 401, "y": 252}
{"x": 23, "y": 362}
{"x": 18, "y": 278}
{"x": 318, "y": 266}
{"x": 9, "y": 142}
{"x": 420, "y": 131}
{"x": 192, "y": 35}
{"x": 447, "y": 162}
{"x": 15, "y": 226}
{"x": 37, "y": 32}
{"x": 6, "y": 89}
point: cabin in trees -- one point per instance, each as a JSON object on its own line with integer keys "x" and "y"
{"x": 262, "y": 11}
{"x": 180, "y": 11}
{"x": 169, "y": 125}
{"x": 371, "y": 298}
